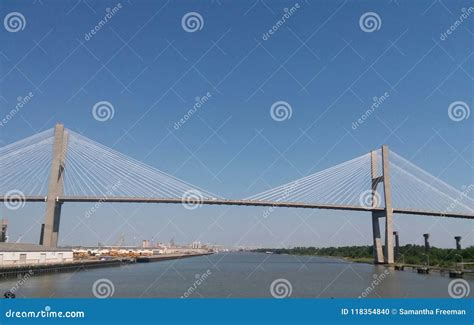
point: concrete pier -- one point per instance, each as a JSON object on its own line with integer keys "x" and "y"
{"x": 397, "y": 245}
{"x": 427, "y": 243}
{"x": 78, "y": 265}
{"x": 458, "y": 242}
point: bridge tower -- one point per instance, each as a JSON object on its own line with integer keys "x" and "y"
{"x": 50, "y": 230}
{"x": 387, "y": 255}
{"x": 377, "y": 240}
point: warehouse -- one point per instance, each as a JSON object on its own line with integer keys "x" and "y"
{"x": 27, "y": 254}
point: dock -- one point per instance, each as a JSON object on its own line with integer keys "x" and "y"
{"x": 158, "y": 258}
{"x": 7, "y": 272}
{"x": 423, "y": 269}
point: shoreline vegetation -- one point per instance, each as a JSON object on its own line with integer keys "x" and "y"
{"x": 409, "y": 254}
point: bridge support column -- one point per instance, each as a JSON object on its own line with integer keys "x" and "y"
{"x": 55, "y": 188}
{"x": 378, "y": 253}
{"x": 41, "y": 234}
{"x": 377, "y": 239}
{"x": 458, "y": 242}
{"x": 427, "y": 242}
{"x": 397, "y": 245}
{"x": 389, "y": 259}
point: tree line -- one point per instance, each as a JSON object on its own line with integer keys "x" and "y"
{"x": 409, "y": 254}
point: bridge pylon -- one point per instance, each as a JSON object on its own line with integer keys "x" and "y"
{"x": 387, "y": 255}
{"x": 50, "y": 231}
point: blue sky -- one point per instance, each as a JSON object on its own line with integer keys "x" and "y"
{"x": 320, "y": 61}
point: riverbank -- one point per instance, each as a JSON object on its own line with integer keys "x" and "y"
{"x": 14, "y": 271}
{"x": 237, "y": 275}
{"x": 442, "y": 258}
{"x": 452, "y": 272}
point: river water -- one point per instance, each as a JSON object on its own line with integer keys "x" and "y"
{"x": 237, "y": 275}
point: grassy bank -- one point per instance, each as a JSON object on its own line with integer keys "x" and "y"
{"x": 409, "y": 254}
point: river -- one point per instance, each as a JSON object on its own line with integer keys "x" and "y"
{"x": 236, "y": 275}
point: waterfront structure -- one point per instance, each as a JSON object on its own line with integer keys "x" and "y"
{"x": 102, "y": 175}
{"x": 31, "y": 254}
{"x": 427, "y": 242}
{"x": 3, "y": 232}
{"x": 397, "y": 245}
{"x": 458, "y": 242}
{"x": 108, "y": 251}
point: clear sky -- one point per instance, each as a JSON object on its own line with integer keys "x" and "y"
{"x": 320, "y": 60}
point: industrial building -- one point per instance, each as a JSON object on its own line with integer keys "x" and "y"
{"x": 28, "y": 254}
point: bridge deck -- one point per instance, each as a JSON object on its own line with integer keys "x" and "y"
{"x": 247, "y": 203}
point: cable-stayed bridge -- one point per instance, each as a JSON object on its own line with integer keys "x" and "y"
{"x": 59, "y": 165}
